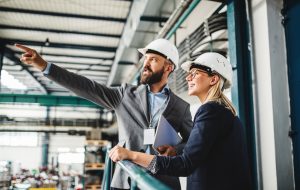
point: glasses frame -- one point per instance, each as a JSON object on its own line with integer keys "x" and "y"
{"x": 194, "y": 72}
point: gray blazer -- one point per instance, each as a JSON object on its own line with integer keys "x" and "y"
{"x": 131, "y": 107}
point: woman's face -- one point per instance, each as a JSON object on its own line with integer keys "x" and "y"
{"x": 199, "y": 83}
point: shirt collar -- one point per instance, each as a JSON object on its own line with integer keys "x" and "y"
{"x": 165, "y": 90}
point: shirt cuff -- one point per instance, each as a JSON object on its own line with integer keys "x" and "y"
{"x": 152, "y": 167}
{"x": 47, "y": 69}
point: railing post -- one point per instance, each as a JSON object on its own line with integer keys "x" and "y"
{"x": 133, "y": 185}
{"x": 107, "y": 172}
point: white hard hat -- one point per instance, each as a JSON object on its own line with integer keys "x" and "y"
{"x": 212, "y": 62}
{"x": 164, "y": 48}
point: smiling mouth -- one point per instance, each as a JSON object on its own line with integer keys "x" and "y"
{"x": 191, "y": 85}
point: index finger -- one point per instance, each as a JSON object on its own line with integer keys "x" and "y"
{"x": 22, "y": 47}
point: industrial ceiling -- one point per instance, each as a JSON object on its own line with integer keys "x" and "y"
{"x": 81, "y": 36}
{"x": 94, "y": 38}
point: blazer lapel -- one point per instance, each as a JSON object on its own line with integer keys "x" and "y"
{"x": 171, "y": 104}
{"x": 142, "y": 93}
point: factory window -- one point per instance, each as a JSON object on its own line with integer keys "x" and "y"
{"x": 18, "y": 139}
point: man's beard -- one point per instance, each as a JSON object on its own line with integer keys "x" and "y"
{"x": 152, "y": 77}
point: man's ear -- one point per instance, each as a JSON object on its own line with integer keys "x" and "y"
{"x": 169, "y": 67}
{"x": 214, "y": 79}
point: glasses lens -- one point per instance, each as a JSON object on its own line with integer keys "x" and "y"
{"x": 191, "y": 74}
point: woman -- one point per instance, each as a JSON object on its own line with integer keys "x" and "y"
{"x": 215, "y": 154}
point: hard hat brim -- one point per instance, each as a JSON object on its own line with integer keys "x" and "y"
{"x": 187, "y": 65}
{"x": 142, "y": 50}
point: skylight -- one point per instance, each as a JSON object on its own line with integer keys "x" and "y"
{"x": 11, "y": 82}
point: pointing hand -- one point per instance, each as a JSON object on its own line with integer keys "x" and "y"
{"x": 31, "y": 57}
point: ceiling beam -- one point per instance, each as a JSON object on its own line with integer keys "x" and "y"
{"x": 55, "y": 131}
{"x": 2, "y": 26}
{"x": 67, "y": 62}
{"x": 126, "y": 63}
{"x": 57, "y": 14}
{"x": 47, "y": 100}
{"x": 58, "y": 45}
{"x": 154, "y": 18}
{"x": 74, "y": 56}
{"x": 88, "y": 69}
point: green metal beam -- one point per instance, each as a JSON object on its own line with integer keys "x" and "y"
{"x": 47, "y": 100}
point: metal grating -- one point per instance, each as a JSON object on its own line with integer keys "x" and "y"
{"x": 209, "y": 36}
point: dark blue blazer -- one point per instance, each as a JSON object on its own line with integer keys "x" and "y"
{"x": 215, "y": 156}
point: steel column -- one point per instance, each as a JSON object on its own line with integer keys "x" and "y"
{"x": 240, "y": 58}
{"x": 45, "y": 149}
{"x": 291, "y": 22}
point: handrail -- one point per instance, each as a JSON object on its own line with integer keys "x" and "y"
{"x": 141, "y": 178}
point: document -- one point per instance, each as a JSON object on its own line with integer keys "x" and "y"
{"x": 165, "y": 134}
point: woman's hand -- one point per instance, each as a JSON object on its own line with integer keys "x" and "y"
{"x": 118, "y": 153}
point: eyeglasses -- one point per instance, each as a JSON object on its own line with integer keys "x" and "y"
{"x": 195, "y": 72}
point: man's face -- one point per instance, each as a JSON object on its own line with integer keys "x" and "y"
{"x": 153, "y": 70}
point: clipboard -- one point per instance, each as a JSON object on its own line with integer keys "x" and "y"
{"x": 165, "y": 134}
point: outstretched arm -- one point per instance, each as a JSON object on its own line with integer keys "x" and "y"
{"x": 119, "y": 153}
{"x": 80, "y": 85}
{"x": 31, "y": 57}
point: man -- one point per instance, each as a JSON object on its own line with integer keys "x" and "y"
{"x": 138, "y": 108}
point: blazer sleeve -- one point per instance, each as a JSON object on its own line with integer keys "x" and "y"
{"x": 185, "y": 129}
{"x": 104, "y": 96}
{"x": 204, "y": 134}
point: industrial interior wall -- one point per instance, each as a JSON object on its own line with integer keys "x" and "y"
{"x": 271, "y": 86}
{"x": 22, "y": 157}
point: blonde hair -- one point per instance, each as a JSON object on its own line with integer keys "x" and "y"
{"x": 215, "y": 94}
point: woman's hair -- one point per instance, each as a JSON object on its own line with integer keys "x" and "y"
{"x": 215, "y": 94}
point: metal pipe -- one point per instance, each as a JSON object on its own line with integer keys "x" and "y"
{"x": 183, "y": 18}
{"x": 174, "y": 17}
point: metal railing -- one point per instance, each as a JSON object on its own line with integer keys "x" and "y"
{"x": 139, "y": 176}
